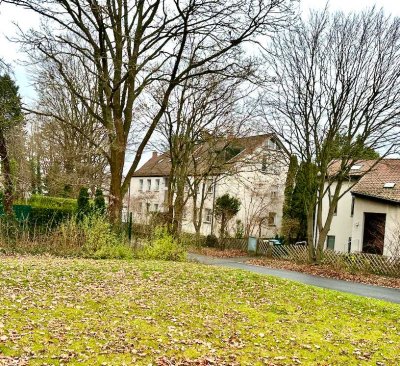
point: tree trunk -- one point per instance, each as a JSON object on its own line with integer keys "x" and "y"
{"x": 178, "y": 207}
{"x": 116, "y": 193}
{"x": 6, "y": 170}
{"x": 310, "y": 235}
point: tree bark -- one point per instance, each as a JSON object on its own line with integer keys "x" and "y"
{"x": 116, "y": 192}
{"x": 310, "y": 235}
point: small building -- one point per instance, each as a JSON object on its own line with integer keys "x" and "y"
{"x": 254, "y": 170}
{"x": 367, "y": 217}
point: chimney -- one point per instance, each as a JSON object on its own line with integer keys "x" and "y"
{"x": 154, "y": 154}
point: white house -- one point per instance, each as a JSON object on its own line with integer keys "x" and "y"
{"x": 254, "y": 172}
{"x": 367, "y": 217}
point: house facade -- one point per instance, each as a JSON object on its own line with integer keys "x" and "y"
{"x": 367, "y": 217}
{"x": 254, "y": 172}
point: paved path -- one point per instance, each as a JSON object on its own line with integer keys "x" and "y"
{"x": 377, "y": 292}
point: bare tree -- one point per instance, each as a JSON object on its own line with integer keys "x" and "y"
{"x": 128, "y": 46}
{"x": 68, "y": 139}
{"x": 200, "y": 112}
{"x": 335, "y": 75}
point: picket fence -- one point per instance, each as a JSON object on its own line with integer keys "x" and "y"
{"x": 353, "y": 262}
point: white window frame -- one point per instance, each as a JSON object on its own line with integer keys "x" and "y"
{"x": 208, "y": 215}
{"x": 141, "y": 183}
{"x": 157, "y": 185}
{"x": 149, "y": 184}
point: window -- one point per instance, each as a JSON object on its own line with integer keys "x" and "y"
{"x": 274, "y": 192}
{"x": 271, "y": 218}
{"x": 141, "y": 185}
{"x": 389, "y": 185}
{"x": 147, "y": 207}
{"x": 149, "y": 184}
{"x": 353, "y": 200}
{"x": 208, "y": 217}
{"x": 157, "y": 187}
{"x": 264, "y": 165}
{"x": 156, "y": 207}
{"x": 210, "y": 188}
{"x": 349, "y": 245}
{"x": 184, "y": 214}
{"x": 330, "y": 242}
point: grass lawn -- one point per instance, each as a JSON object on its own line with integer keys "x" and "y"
{"x": 74, "y": 312}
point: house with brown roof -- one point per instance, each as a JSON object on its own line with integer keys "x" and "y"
{"x": 253, "y": 169}
{"x": 367, "y": 217}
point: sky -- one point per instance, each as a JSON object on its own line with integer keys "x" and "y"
{"x": 9, "y": 15}
{"x": 25, "y": 19}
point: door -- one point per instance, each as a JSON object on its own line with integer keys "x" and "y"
{"x": 374, "y": 233}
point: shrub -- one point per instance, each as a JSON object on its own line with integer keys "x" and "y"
{"x": 163, "y": 247}
{"x": 100, "y": 241}
{"x": 212, "y": 241}
{"x": 99, "y": 202}
{"x": 83, "y": 203}
{"x": 37, "y": 200}
{"x": 48, "y": 217}
{"x": 90, "y": 238}
{"x": 43, "y": 212}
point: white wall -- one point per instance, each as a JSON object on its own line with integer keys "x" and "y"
{"x": 363, "y": 205}
{"x": 345, "y": 226}
{"x": 139, "y": 198}
{"x": 342, "y": 221}
{"x": 249, "y": 184}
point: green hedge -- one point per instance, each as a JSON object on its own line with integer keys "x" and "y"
{"x": 48, "y": 216}
{"x": 37, "y": 200}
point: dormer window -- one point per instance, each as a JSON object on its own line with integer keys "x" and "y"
{"x": 271, "y": 145}
{"x": 389, "y": 185}
{"x": 356, "y": 167}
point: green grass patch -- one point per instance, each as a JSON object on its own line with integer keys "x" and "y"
{"x": 77, "y": 311}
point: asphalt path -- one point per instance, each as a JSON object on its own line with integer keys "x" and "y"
{"x": 375, "y": 292}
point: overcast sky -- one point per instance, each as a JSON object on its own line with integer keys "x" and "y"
{"x": 25, "y": 19}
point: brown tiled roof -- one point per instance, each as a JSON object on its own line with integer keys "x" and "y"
{"x": 156, "y": 166}
{"x": 160, "y": 166}
{"x": 373, "y": 182}
{"x": 363, "y": 166}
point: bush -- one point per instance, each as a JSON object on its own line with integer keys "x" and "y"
{"x": 48, "y": 217}
{"x": 90, "y": 238}
{"x": 163, "y": 247}
{"x": 43, "y": 212}
{"x": 83, "y": 203}
{"x": 212, "y": 241}
{"x": 100, "y": 241}
{"x": 99, "y": 202}
{"x": 37, "y": 200}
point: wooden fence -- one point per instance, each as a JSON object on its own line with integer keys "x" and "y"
{"x": 234, "y": 243}
{"x": 352, "y": 262}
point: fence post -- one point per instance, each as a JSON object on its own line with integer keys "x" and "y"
{"x": 130, "y": 227}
